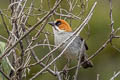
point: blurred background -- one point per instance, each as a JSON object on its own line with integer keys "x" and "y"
{"x": 106, "y": 63}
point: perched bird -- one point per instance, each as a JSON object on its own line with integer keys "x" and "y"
{"x": 62, "y": 31}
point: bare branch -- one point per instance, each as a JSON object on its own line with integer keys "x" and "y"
{"x": 33, "y": 27}
{"x": 77, "y": 32}
{"x": 4, "y": 23}
{"x": 6, "y": 76}
{"x": 79, "y": 60}
{"x": 115, "y": 75}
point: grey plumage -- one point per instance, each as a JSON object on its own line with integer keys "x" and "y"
{"x": 74, "y": 48}
{"x": 60, "y": 28}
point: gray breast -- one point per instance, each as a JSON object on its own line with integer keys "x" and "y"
{"x": 74, "y": 47}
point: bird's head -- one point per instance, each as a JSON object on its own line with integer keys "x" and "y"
{"x": 60, "y": 25}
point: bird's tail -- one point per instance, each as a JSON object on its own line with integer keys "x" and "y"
{"x": 85, "y": 63}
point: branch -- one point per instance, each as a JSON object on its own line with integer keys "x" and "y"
{"x": 33, "y": 27}
{"x": 6, "y": 76}
{"x": 4, "y": 23}
{"x": 115, "y": 75}
{"x": 79, "y": 60}
{"x": 77, "y": 32}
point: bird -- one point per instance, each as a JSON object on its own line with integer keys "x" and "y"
{"x": 61, "y": 31}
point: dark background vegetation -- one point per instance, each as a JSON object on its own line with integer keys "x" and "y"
{"x": 106, "y": 63}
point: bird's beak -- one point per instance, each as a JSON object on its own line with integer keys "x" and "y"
{"x": 51, "y": 23}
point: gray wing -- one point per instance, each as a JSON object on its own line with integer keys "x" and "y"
{"x": 86, "y": 47}
{"x": 79, "y": 40}
{"x": 86, "y": 64}
{"x": 75, "y": 46}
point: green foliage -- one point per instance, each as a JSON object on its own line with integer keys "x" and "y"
{"x": 3, "y": 64}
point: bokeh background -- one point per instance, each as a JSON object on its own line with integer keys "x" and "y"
{"x": 106, "y": 63}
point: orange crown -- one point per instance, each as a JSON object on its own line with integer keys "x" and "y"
{"x": 64, "y": 25}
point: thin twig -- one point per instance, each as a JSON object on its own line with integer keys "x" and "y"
{"x": 79, "y": 60}
{"x": 77, "y": 32}
{"x": 3, "y": 37}
{"x": 4, "y": 23}
{"x": 98, "y": 76}
{"x": 58, "y": 75}
{"x": 111, "y": 18}
{"x": 33, "y": 27}
{"x": 6, "y": 76}
{"x": 115, "y": 75}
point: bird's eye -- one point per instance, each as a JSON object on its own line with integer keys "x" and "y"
{"x": 58, "y": 23}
